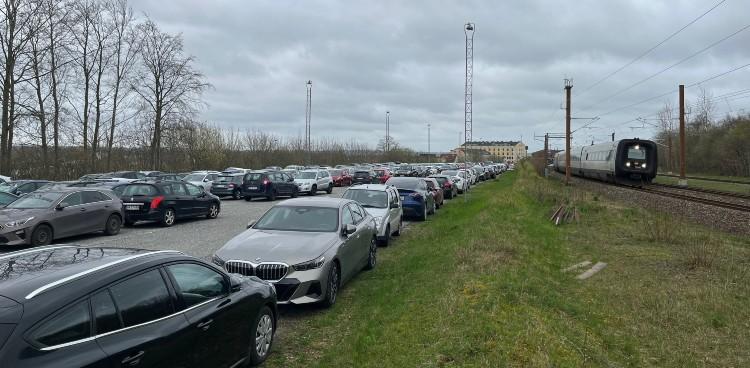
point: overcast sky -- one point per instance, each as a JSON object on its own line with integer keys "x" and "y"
{"x": 366, "y": 57}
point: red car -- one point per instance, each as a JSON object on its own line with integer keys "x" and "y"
{"x": 341, "y": 177}
{"x": 383, "y": 174}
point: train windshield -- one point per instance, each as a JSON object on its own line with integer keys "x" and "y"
{"x": 636, "y": 153}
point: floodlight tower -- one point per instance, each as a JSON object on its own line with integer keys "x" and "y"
{"x": 469, "y": 33}
{"x": 387, "y": 131}
{"x": 308, "y": 117}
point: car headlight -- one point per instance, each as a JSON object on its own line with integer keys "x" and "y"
{"x": 310, "y": 265}
{"x": 627, "y": 164}
{"x": 218, "y": 261}
{"x": 18, "y": 222}
{"x": 643, "y": 165}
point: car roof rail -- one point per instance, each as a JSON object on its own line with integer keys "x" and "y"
{"x": 64, "y": 280}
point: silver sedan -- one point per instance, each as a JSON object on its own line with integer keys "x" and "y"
{"x": 307, "y": 247}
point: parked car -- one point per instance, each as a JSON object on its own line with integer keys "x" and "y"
{"x": 384, "y": 204}
{"x": 312, "y": 181}
{"x": 56, "y": 185}
{"x": 115, "y": 187}
{"x": 157, "y": 176}
{"x": 416, "y": 199}
{"x": 122, "y": 176}
{"x": 291, "y": 172}
{"x": 268, "y": 184}
{"x": 7, "y": 198}
{"x": 341, "y": 177}
{"x": 228, "y": 185}
{"x": 294, "y": 167}
{"x": 364, "y": 177}
{"x": 437, "y": 191}
{"x": 308, "y": 248}
{"x": 202, "y": 179}
{"x": 450, "y": 189}
{"x": 167, "y": 201}
{"x": 406, "y": 170}
{"x": 71, "y": 306}
{"x": 383, "y": 174}
{"x": 40, "y": 217}
{"x": 21, "y": 187}
{"x": 273, "y": 168}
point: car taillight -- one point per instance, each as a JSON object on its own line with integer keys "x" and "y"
{"x": 231, "y": 185}
{"x": 265, "y": 182}
{"x": 156, "y": 202}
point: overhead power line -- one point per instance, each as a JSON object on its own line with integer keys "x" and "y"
{"x": 642, "y": 55}
{"x": 668, "y": 68}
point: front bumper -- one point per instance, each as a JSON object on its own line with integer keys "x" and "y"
{"x": 15, "y": 236}
{"x": 303, "y": 287}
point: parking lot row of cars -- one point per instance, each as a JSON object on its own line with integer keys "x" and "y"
{"x": 102, "y": 306}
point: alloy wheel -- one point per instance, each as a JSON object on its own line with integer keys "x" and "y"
{"x": 263, "y": 335}
{"x": 213, "y": 211}
{"x": 169, "y": 217}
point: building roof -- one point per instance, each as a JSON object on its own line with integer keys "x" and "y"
{"x": 492, "y": 143}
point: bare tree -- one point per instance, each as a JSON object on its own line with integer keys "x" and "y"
{"x": 81, "y": 29}
{"x": 55, "y": 14}
{"x": 102, "y": 28}
{"x": 169, "y": 86}
{"x": 666, "y": 122}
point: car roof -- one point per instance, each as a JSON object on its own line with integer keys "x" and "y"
{"x": 30, "y": 272}
{"x": 315, "y": 202}
{"x": 380, "y": 187}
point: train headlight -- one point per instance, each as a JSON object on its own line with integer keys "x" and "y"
{"x": 637, "y": 146}
{"x": 627, "y": 164}
{"x": 643, "y": 165}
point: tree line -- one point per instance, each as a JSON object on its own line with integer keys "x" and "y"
{"x": 88, "y": 86}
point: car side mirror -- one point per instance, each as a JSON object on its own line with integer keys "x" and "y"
{"x": 349, "y": 229}
{"x": 250, "y": 224}
{"x": 394, "y": 205}
{"x": 235, "y": 283}
{"x": 290, "y": 180}
{"x": 61, "y": 206}
{"x": 205, "y": 180}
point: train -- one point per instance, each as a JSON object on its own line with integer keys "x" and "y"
{"x": 625, "y": 161}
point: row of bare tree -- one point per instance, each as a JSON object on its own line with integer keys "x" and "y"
{"x": 88, "y": 78}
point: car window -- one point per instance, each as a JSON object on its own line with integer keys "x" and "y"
{"x": 138, "y": 190}
{"x": 193, "y": 190}
{"x": 357, "y": 213}
{"x": 178, "y": 189}
{"x": 140, "y": 175}
{"x": 142, "y": 298}
{"x": 106, "y": 318}
{"x": 73, "y": 199}
{"x": 346, "y": 217}
{"x": 71, "y": 325}
{"x": 196, "y": 283}
{"x": 91, "y": 196}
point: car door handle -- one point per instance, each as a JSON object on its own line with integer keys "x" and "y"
{"x": 82, "y": 209}
{"x": 133, "y": 359}
{"x": 205, "y": 325}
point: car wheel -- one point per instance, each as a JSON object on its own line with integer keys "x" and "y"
{"x": 262, "y": 337}
{"x": 236, "y": 195}
{"x": 168, "y": 218}
{"x": 129, "y": 223}
{"x": 272, "y": 197}
{"x": 213, "y": 211}
{"x": 330, "y": 189}
{"x": 437, "y": 206}
{"x": 248, "y": 198}
{"x": 42, "y": 235}
{"x": 313, "y": 190}
{"x": 387, "y": 239}
{"x": 424, "y": 213}
{"x": 295, "y": 193}
{"x": 372, "y": 257}
{"x": 333, "y": 286}
{"x": 434, "y": 207}
{"x": 398, "y": 231}
{"x": 113, "y": 225}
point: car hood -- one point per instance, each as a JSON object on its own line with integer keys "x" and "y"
{"x": 277, "y": 246}
{"x": 305, "y": 181}
{"x": 377, "y": 212}
{"x": 12, "y": 214}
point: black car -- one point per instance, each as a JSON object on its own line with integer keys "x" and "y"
{"x": 268, "y": 184}
{"x": 7, "y": 198}
{"x": 228, "y": 185}
{"x": 71, "y": 306}
{"x": 21, "y": 187}
{"x": 406, "y": 170}
{"x": 167, "y": 201}
{"x": 365, "y": 177}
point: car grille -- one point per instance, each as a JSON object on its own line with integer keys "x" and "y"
{"x": 264, "y": 271}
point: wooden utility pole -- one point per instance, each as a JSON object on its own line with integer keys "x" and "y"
{"x": 568, "y": 87}
{"x": 683, "y": 180}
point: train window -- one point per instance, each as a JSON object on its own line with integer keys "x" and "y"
{"x": 636, "y": 154}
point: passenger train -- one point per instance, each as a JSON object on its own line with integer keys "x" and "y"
{"x": 625, "y": 161}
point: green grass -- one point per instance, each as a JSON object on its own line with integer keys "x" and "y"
{"x": 707, "y": 184}
{"x": 480, "y": 285}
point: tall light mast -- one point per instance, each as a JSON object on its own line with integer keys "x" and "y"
{"x": 308, "y": 117}
{"x": 387, "y": 131}
{"x": 469, "y": 32}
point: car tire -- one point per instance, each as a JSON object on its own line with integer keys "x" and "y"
{"x": 42, "y": 235}
{"x": 334, "y": 282}
{"x": 236, "y": 195}
{"x": 272, "y": 197}
{"x": 213, "y": 211}
{"x": 330, "y": 189}
{"x": 434, "y": 207}
{"x": 423, "y": 217}
{"x": 314, "y": 190}
{"x": 295, "y": 193}
{"x": 400, "y": 225}
{"x": 372, "y": 256}
{"x": 437, "y": 206}
{"x": 168, "y": 218}
{"x": 248, "y": 198}
{"x": 261, "y": 335}
{"x": 387, "y": 240}
{"x": 128, "y": 223}
{"x": 113, "y": 225}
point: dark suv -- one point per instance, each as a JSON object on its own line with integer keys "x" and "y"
{"x": 167, "y": 201}
{"x": 228, "y": 185}
{"x": 70, "y": 306}
{"x": 268, "y": 184}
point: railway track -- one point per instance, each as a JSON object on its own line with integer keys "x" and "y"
{"x": 702, "y": 190}
{"x": 711, "y": 202}
{"x": 708, "y": 179}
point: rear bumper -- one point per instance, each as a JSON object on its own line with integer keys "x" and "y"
{"x": 151, "y": 215}
{"x": 222, "y": 191}
{"x": 413, "y": 209}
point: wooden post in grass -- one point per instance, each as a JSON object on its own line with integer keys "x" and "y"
{"x": 568, "y": 86}
{"x": 683, "y": 179}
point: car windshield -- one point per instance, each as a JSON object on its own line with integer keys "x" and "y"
{"x": 6, "y": 198}
{"x": 441, "y": 180}
{"x": 404, "y": 167}
{"x": 36, "y": 200}
{"x": 288, "y": 218}
{"x": 306, "y": 175}
{"x": 404, "y": 183}
{"x": 139, "y": 190}
{"x": 224, "y": 179}
{"x": 368, "y": 198}
{"x": 451, "y": 173}
{"x": 380, "y": 173}
{"x": 194, "y": 177}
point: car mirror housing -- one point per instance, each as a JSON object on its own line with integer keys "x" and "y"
{"x": 61, "y": 206}
{"x": 250, "y": 224}
{"x": 349, "y": 229}
{"x": 394, "y": 205}
{"x": 235, "y": 282}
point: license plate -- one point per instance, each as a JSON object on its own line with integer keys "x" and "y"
{"x": 252, "y": 188}
{"x": 133, "y": 208}
{"x": 220, "y": 186}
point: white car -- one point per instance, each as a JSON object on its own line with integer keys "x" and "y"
{"x": 461, "y": 178}
{"x": 202, "y": 179}
{"x": 313, "y": 181}
{"x": 384, "y": 204}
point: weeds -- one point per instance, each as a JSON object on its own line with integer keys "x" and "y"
{"x": 660, "y": 229}
{"x": 701, "y": 251}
